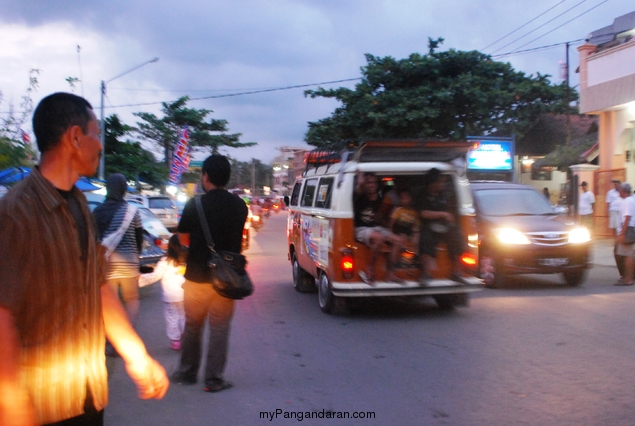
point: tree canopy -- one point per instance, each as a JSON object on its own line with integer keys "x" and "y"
{"x": 164, "y": 132}
{"x": 445, "y": 95}
{"x": 129, "y": 158}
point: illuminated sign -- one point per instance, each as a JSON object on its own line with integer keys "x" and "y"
{"x": 491, "y": 155}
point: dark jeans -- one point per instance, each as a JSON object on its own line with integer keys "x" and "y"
{"x": 91, "y": 416}
{"x": 429, "y": 240}
{"x": 201, "y": 301}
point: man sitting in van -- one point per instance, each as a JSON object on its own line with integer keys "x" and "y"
{"x": 438, "y": 224}
{"x": 368, "y": 225}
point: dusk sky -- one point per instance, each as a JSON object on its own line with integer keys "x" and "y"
{"x": 212, "y": 48}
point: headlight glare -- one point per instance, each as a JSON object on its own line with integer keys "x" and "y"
{"x": 579, "y": 235}
{"x": 511, "y": 236}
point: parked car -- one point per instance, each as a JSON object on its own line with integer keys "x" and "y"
{"x": 162, "y": 206}
{"x": 155, "y": 235}
{"x": 520, "y": 232}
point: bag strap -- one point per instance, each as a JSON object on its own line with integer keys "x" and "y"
{"x": 201, "y": 217}
{"x": 112, "y": 241}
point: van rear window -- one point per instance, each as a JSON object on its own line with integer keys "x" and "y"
{"x": 160, "y": 203}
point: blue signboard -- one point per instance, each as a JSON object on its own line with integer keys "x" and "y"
{"x": 491, "y": 155}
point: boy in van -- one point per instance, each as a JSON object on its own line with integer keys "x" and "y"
{"x": 404, "y": 221}
{"x": 438, "y": 224}
{"x": 368, "y": 230}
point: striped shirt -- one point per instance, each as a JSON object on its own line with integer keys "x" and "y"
{"x": 124, "y": 261}
{"x": 54, "y": 296}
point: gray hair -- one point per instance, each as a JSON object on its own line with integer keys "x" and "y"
{"x": 626, "y": 187}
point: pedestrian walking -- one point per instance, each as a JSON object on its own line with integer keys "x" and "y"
{"x": 225, "y": 214}
{"x": 170, "y": 270}
{"x": 55, "y": 310}
{"x": 121, "y": 222}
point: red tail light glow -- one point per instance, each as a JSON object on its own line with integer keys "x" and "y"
{"x": 347, "y": 263}
{"x": 468, "y": 259}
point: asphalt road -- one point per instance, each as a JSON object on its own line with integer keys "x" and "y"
{"x": 532, "y": 353}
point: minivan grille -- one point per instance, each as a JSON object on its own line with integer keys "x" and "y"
{"x": 548, "y": 238}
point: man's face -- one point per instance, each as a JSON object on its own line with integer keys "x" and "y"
{"x": 617, "y": 185}
{"x": 370, "y": 183}
{"x": 90, "y": 147}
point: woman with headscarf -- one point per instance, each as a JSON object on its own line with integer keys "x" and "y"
{"x": 123, "y": 262}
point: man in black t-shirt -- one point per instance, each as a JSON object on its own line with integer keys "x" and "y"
{"x": 225, "y": 214}
{"x": 367, "y": 205}
{"x": 438, "y": 224}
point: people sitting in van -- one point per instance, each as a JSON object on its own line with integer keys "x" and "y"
{"x": 438, "y": 224}
{"x": 368, "y": 225}
{"x": 404, "y": 220}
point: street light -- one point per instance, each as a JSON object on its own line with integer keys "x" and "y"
{"x": 102, "y": 160}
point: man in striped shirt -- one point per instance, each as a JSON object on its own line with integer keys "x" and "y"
{"x": 54, "y": 309}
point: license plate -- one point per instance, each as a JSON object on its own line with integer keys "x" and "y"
{"x": 558, "y": 261}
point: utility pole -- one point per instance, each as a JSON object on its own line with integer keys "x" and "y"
{"x": 568, "y": 95}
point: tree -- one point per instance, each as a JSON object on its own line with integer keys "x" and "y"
{"x": 164, "y": 132}
{"x": 129, "y": 158}
{"x": 14, "y": 154}
{"x": 243, "y": 172}
{"x": 445, "y": 95}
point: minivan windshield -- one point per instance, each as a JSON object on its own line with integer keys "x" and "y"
{"x": 512, "y": 202}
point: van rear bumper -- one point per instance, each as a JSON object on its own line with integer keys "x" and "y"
{"x": 408, "y": 288}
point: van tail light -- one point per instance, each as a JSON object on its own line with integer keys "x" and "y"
{"x": 347, "y": 263}
{"x": 158, "y": 242}
{"x": 468, "y": 260}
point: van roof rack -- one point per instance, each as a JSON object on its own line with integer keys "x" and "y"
{"x": 324, "y": 157}
{"x": 411, "y": 150}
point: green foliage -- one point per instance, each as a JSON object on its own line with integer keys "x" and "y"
{"x": 444, "y": 95}
{"x": 164, "y": 132}
{"x": 14, "y": 154}
{"x": 16, "y": 117}
{"x": 129, "y": 158}
{"x": 243, "y": 172}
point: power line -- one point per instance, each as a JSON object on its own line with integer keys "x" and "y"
{"x": 522, "y": 26}
{"x": 537, "y": 49}
{"x": 572, "y": 19}
{"x": 248, "y": 93}
{"x": 537, "y": 28}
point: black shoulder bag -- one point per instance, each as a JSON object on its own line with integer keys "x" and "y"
{"x": 226, "y": 270}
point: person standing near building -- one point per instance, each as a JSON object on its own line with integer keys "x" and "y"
{"x": 585, "y": 207}
{"x": 55, "y": 310}
{"x": 225, "y": 214}
{"x": 614, "y": 202}
{"x": 627, "y": 218}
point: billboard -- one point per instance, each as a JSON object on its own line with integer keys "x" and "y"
{"x": 491, "y": 155}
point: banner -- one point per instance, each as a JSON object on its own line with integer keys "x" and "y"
{"x": 181, "y": 157}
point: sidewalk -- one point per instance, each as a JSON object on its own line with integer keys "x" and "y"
{"x": 602, "y": 252}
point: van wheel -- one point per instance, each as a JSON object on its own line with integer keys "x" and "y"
{"x": 330, "y": 303}
{"x": 574, "y": 277}
{"x": 325, "y": 296}
{"x": 303, "y": 282}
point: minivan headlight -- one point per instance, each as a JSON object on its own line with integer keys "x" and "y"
{"x": 511, "y": 236}
{"x": 579, "y": 235}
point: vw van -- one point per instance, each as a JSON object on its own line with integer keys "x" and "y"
{"x": 323, "y": 251}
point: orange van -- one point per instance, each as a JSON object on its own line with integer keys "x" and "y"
{"x": 322, "y": 247}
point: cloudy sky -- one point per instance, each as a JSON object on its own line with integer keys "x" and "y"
{"x": 212, "y": 48}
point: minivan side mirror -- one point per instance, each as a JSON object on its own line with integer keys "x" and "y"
{"x": 286, "y": 200}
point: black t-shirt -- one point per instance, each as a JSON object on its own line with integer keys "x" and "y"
{"x": 366, "y": 210}
{"x": 78, "y": 217}
{"x": 435, "y": 204}
{"x": 226, "y": 215}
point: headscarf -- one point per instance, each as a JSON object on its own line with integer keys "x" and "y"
{"x": 116, "y": 186}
